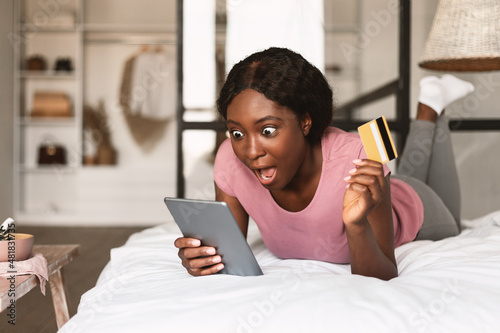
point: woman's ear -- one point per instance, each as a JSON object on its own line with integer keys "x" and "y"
{"x": 306, "y": 124}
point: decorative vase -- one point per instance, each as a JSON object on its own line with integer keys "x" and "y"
{"x": 106, "y": 155}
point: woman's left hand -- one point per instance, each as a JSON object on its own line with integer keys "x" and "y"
{"x": 367, "y": 188}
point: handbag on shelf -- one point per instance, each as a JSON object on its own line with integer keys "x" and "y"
{"x": 36, "y": 63}
{"x": 63, "y": 64}
{"x": 51, "y": 104}
{"x": 51, "y": 153}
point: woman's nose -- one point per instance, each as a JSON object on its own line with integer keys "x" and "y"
{"x": 255, "y": 149}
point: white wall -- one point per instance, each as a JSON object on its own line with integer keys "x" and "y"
{"x": 6, "y": 106}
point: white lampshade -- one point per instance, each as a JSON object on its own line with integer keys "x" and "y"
{"x": 465, "y": 36}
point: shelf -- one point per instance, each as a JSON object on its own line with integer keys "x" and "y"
{"x": 51, "y": 30}
{"x": 100, "y": 167}
{"x": 55, "y": 168}
{"x": 47, "y": 75}
{"x": 129, "y": 28}
{"x": 130, "y": 36}
{"x": 131, "y": 40}
{"x": 48, "y": 121}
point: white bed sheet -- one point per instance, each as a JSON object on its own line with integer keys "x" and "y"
{"x": 451, "y": 285}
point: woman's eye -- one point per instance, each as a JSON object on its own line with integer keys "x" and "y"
{"x": 268, "y": 131}
{"x": 236, "y": 134}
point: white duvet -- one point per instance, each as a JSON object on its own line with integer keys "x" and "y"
{"x": 451, "y": 285}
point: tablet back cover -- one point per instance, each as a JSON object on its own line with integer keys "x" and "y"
{"x": 213, "y": 223}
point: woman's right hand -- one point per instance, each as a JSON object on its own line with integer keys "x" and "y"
{"x": 198, "y": 260}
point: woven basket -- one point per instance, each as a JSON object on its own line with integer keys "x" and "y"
{"x": 465, "y": 36}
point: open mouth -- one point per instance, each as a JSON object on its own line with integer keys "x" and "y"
{"x": 266, "y": 175}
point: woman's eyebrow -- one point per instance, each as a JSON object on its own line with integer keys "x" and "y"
{"x": 258, "y": 121}
{"x": 267, "y": 118}
{"x": 233, "y": 122}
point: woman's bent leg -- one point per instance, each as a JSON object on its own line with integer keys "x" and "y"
{"x": 443, "y": 174}
{"x": 428, "y": 154}
{"x": 416, "y": 157}
{"x": 438, "y": 223}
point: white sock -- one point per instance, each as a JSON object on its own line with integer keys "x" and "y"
{"x": 431, "y": 93}
{"x": 438, "y": 93}
{"x": 455, "y": 88}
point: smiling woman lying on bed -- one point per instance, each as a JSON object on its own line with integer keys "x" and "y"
{"x": 310, "y": 188}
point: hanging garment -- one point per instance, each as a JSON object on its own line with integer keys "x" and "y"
{"x": 153, "y": 82}
{"x": 255, "y": 25}
{"x": 147, "y": 95}
{"x": 125, "y": 87}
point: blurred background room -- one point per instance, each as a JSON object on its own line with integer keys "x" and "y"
{"x": 107, "y": 106}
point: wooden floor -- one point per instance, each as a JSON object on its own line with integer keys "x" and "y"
{"x": 34, "y": 312}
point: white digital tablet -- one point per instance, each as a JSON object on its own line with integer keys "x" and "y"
{"x": 213, "y": 223}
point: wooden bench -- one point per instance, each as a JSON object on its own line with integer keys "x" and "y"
{"x": 57, "y": 257}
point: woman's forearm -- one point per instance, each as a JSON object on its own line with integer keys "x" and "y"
{"x": 367, "y": 258}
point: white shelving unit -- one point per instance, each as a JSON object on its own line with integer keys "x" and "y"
{"x": 52, "y": 30}
{"x": 76, "y": 193}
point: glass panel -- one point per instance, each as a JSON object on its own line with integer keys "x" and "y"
{"x": 199, "y": 155}
{"x": 199, "y": 53}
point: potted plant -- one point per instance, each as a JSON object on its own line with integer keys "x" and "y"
{"x": 96, "y": 122}
{"x": 14, "y": 246}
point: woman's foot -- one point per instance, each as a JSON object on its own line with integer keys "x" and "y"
{"x": 425, "y": 112}
{"x": 437, "y": 93}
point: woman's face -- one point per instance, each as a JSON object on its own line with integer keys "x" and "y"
{"x": 268, "y": 138}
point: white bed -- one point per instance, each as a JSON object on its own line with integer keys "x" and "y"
{"x": 451, "y": 285}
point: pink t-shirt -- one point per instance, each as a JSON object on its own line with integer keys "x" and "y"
{"x": 316, "y": 232}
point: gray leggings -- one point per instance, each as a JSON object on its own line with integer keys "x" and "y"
{"x": 428, "y": 165}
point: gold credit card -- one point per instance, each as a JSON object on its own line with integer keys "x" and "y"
{"x": 377, "y": 140}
